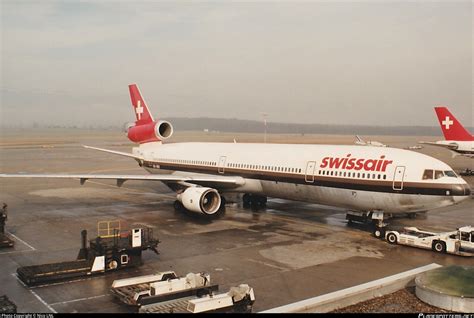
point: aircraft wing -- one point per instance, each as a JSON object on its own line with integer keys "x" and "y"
{"x": 166, "y": 178}
{"x": 183, "y": 179}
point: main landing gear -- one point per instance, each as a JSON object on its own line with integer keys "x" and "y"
{"x": 254, "y": 201}
{"x": 375, "y": 218}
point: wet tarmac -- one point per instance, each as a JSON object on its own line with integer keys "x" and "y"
{"x": 287, "y": 252}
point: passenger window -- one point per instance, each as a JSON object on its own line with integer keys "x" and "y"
{"x": 428, "y": 174}
{"x": 439, "y": 174}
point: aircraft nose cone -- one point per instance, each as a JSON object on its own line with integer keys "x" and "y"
{"x": 461, "y": 193}
{"x": 459, "y": 189}
{"x": 467, "y": 190}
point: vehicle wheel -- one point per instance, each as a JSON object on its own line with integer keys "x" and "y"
{"x": 392, "y": 238}
{"x": 439, "y": 247}
{"x": 113, "y": 265}
{"x": 379, "y": 232}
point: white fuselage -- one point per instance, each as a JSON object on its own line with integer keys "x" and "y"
{"x": 351, "y": 177}
{"x": 463, "y": 148}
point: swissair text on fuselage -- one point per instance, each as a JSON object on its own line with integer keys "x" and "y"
{"x": 349, "y": 163}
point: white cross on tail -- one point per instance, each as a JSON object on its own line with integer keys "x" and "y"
{"x": 139, "y": 110}
{"x": 447, "y": 122}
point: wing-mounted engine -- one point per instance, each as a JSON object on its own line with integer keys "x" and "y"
{"x": 201, "y": 200}
{"x": 154, "y": 131}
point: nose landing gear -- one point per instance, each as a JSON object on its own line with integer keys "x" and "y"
{"x": 376, "y": 218}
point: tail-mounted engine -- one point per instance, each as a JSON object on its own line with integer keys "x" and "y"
{"x": 154, "y": 131}
{"x": 146, "y": 128}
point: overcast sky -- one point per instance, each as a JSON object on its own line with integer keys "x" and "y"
{"x": 371, "y": 63}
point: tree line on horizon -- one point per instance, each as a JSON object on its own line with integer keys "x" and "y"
{"x": 254, "y": 126}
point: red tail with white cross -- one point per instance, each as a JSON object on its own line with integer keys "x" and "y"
{"x": 142, "y": 113}
{"x": 452, "y": 128}
{"x": 146, "y": 129}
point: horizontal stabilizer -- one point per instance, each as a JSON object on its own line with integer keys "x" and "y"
{"x": 125, "y": 154}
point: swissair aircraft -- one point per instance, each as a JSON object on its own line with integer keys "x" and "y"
{"x": 364, "y": 179}
{"x": 458, "y": 138}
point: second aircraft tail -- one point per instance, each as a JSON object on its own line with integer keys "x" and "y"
{"x": 451, "y": 127}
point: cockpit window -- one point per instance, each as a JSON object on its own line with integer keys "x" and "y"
{"x": 428, "y": 174}
{"x": 439, "y": 174}
{"x": 450, "y": 173}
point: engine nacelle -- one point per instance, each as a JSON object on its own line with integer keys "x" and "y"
{"x": 453, "y": 146}
{"x": 127, "y": 126}
{"x": 201, "y": 200}
{"x": 154, "y": 131}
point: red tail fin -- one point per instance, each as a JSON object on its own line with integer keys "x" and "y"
{"x": 452, "y": 128}
{"x": 142, "y": 113}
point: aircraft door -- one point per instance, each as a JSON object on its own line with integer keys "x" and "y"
{"x": 221, "y": 164}
{"x": 309, "y": 174}
{"x": 398, "y": 178}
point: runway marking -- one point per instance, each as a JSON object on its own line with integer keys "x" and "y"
{"x": 21, "y": 251}
{"x": 43, "y": 302}
{"x": 19, "y": 239}
{"x": 267, "y": 264}
{"x": 64, "y": 282}
{"x": 35, "y": 294}
{"x": 76, "y": 300}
